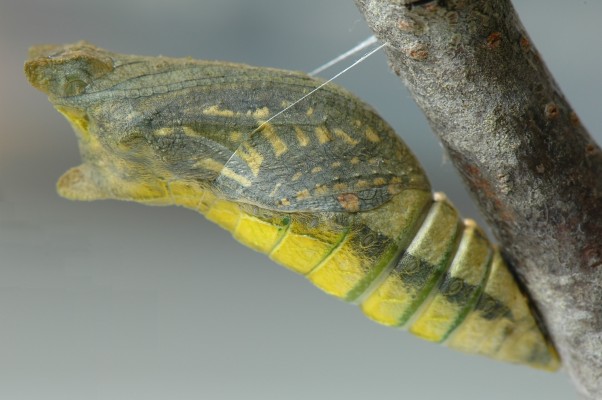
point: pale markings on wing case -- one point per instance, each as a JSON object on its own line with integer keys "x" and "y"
{"x": 302, "y": 138}
{"x": 164, "y": 131}
{"x": 251, "y": 156}
{"x": 362, "y": 184}
{"x": 216, "y": 166}
{"x": 276, "y": 187}
{"x": 235, "y": 136}
{"x": 262, "y": 113}
{"x": 339, "y": 187}
{"x": 303, "y": 194}
{"x": 371, "y": 135}
{"x": 346, "y": 138}
{"x": 321, "y": 189}
{"x": 322, "y": 135}
{"x": 215, "y": 111}
{"x": 276, "y": 142}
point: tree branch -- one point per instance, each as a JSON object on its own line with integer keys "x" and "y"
{"x": 519, "y": 146}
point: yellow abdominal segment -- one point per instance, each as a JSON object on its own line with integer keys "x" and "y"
{"x": 411, "y": 280}
{"x": 466, "y": 275}
{"x": 306, "y": 243}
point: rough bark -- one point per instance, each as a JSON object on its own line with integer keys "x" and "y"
{"x": 533, "y": 168}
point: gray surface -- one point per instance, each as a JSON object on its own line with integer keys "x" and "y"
{"x": 111, "y": 300}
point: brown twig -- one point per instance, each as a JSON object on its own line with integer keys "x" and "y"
{"x": 534, "y": 170}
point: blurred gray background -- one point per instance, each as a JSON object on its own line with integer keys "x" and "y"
{"x": 110, "y": 300}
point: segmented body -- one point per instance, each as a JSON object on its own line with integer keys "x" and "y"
{"x": 327, "y": 189}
